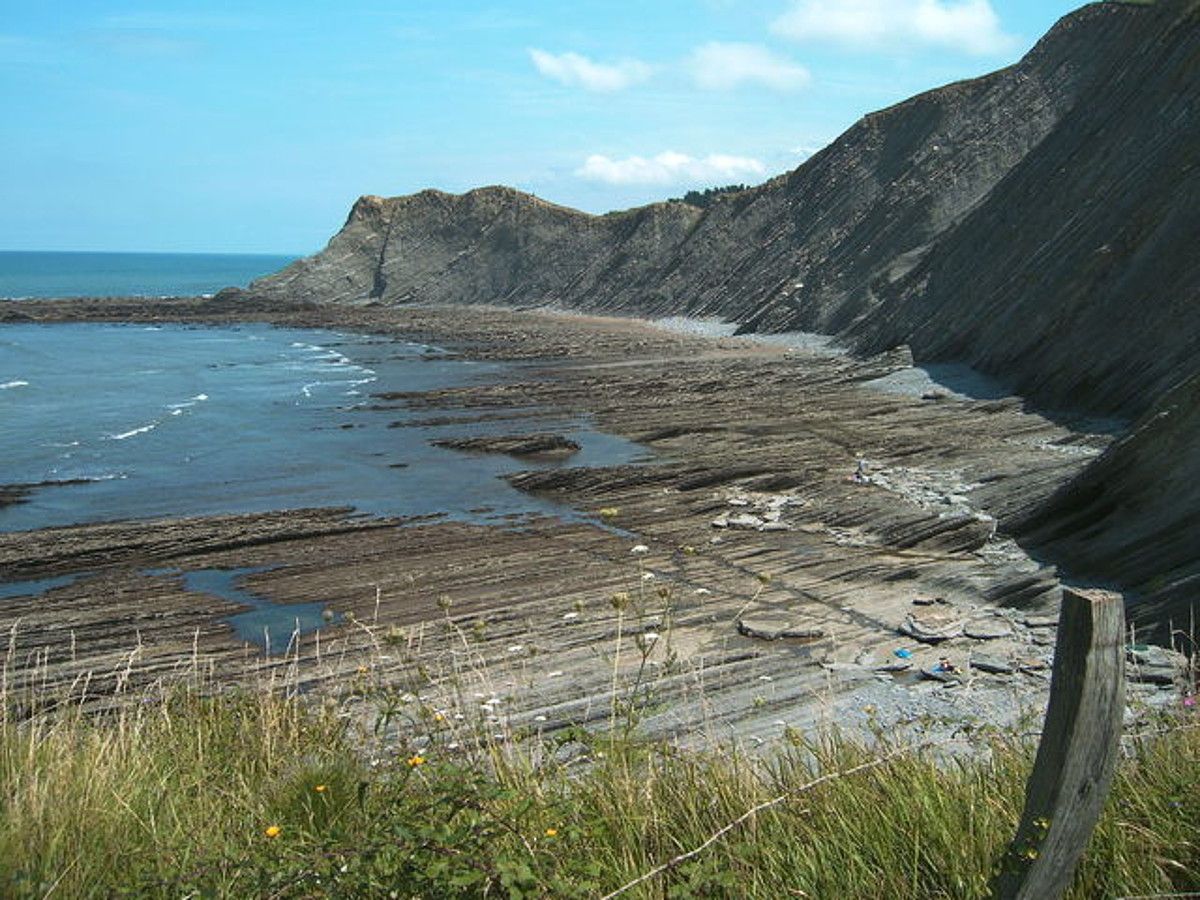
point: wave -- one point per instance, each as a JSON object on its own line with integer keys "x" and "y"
{"x": 177, "y": 408}
{"x": 9, "y": 385}
{"x": 136, "y": 431}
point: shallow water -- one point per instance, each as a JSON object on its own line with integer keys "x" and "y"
{"x": 181, "y": 420}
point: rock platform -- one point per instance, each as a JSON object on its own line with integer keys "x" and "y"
{"x": 770, "y": 591}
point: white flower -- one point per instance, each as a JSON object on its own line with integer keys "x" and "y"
{"x": 640, "y": 549}
{"x": 647, "y": 576}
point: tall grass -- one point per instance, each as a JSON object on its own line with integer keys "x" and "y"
{"x": 259, "y": 794}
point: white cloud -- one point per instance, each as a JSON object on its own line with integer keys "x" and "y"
{"x": 670, "y": 168}
{"x": 575, "y": 70}
{"x": 717, "y": 66}
{"x": 971, "y": 26}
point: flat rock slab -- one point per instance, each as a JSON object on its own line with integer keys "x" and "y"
{"x": 1149, "y": 664}
{"x": 992, "y": 665}
{"x": 773, "y": 628}
{"x": 744, "y": 521}
{"x": 931, "y": 627}
{"x": 987, "y": 629}
{"x": 1155, "y": 657}
{"x": 933, "y": 674}
{"x": 1041, "y": 621}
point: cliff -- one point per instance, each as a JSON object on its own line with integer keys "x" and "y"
{"x": 1036, "y": 223}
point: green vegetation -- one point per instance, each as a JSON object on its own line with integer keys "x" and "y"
{"x": 708, "y": 196}
{"x": 255, "y": 794}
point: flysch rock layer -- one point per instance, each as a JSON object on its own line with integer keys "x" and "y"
{"x": 519, "y": 627}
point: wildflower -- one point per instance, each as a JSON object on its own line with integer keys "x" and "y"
{"x": 647, "y": 576}
{"x": 362, "y": 670}
{"x": 415, "y": 760}
{"x": 609, "y": 512}
{"x": 439, "y": 717}
{"x": 640, "y": 550}
{"x": 619, "y": 600}
{"x": 551, "y": 832}
{"x": 1031, "y": 853}
{"x": 1042, "y": 823}
{"x": 321, "y": 788}
{"x": 1189, "y": 702}
{"x": 273, "y": 831}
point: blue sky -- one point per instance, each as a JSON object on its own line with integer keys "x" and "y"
{"x": 253, "y": 126}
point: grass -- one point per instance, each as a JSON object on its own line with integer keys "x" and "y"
{"x": 259, "y": 794}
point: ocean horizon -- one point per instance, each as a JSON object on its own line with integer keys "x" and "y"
{"x": 39, "y": 274}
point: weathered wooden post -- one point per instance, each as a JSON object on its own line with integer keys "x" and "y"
{"x": 1077, "y": 755}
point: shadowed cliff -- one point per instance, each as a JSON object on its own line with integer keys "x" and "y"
{"x": 1036, "y": 223}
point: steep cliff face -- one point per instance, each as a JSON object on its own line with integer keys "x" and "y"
{"x": 1038, "y": 223}
{"x": 1133, "y": 517}
{"x": 1077, "y": 277}
{"x": 1022, "y": 221}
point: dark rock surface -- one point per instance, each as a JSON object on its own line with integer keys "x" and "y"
{"x": 544, "y": 445}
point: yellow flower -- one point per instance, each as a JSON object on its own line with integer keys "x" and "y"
{"x": 415, "y": 760}
{"x": 551, "y": 832}
{"x": 320, "y": 788}
{"x": 273, "y": 831}
{"x": 1031, "y": 853}
{"x": 609, "y": 512}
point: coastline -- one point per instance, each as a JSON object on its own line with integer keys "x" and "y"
{"x": 750, "y": 521}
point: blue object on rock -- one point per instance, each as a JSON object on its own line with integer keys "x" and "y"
{"x": 903, "y": 653}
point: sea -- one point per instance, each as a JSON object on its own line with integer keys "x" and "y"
{"x": 134, "y": 421}
{"x": 29, "y": 274}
